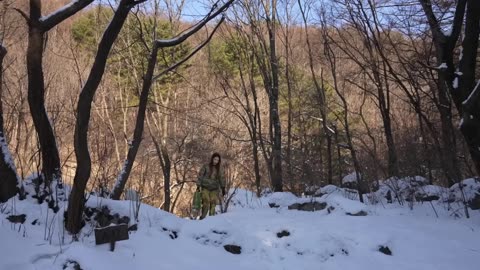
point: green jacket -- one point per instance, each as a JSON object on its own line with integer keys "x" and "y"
{"x": 206, "y": 182}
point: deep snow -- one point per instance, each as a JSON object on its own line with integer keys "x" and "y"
{"x": 317, "y": 240}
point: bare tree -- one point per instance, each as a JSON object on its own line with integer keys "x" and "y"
{"x": 147, "y": 82}
{"x": 321, "y": 96}
{"x": 267, "y": 60}
{"x": 459, "y": 78}
{"x": 371, "y": 66}
{"x": 82, "y": 174}
{"x": 332, "y": 60}
{"x": 38, "y": 27}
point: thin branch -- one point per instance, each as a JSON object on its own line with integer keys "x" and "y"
{"x": 194, "y": 51}
{"x": 24, "y": 15}
{"x": 182, "y": 37}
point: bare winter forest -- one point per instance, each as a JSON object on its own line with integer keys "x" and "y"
{"x": 113, "y": 95}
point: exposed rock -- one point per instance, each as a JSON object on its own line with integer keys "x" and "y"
{"x": 389, "y": 197}
{"x": 273, "y": 205}
{"x": 426, "y": 198}
{"x": 295, "y": 206}
{"x": 72, "y": 265}
{"x": 283, "y": 234}
{"x": 17, "y": 218}
{"x": 234, "y": 249}
{"x": 385, "y": 250}
{"x": 309, "y": 206}
{"x": 475, "y": 202}
{"x": 173, "y": 234}
{"x": 358, "y": 214}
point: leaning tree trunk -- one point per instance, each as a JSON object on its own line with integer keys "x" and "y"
{"x": 82, "y": 173}
{"x": 139, "y": 125}
{"x": 8, "y": 174}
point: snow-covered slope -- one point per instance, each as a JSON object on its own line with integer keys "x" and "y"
{"x": 270, "y": 238}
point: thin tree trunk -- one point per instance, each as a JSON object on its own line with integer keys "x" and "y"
{"x": 165, "y": 164}
{"x": 276, "y": 130}
{"x": 139, "y": 124}
{"x": 320, "y": 88}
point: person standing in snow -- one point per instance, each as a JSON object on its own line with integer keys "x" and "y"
{"x": 211, "y": 181}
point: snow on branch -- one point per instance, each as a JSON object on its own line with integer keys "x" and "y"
{"x": 474, "y": 96}
{"x": 163, "y": 43}
{"x": 50, "y": 21}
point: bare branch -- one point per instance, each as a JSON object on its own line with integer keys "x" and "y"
{"x": 194, "y": 51}
{"x": 182, "y": 37}
{"x": 24, "y": 15}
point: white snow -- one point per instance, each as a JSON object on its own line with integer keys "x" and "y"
{"x": 455, "y": 83}
{"x": 326, "y": 239}
{"x": 8, "y": 157}
{"x": 61, "y": 10}
{"x": 350, "y": 178}
{"x": 6, "y": 153}
{"x": 442, "y": 66}
{"x": 470, "y": 188}
{"x": 473, "y": 95}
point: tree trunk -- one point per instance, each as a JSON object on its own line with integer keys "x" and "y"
{"x": 82, "y": 173}
{"x": 8, "y": 174}
{"x": 392, "y": 153}
{"x": 460, "y": 81}
{"x": 449, "y": 147}
{"x": 323, "y": 107}
{"x": 36, "y": 98}
{"x": 274, "y": 113}
{"x": 470, "y": 89}
{"x": 165, "y": 164}
{"x": 139, "y": 125}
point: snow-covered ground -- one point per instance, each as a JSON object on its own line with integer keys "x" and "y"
{"x": 325, "y": 239}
